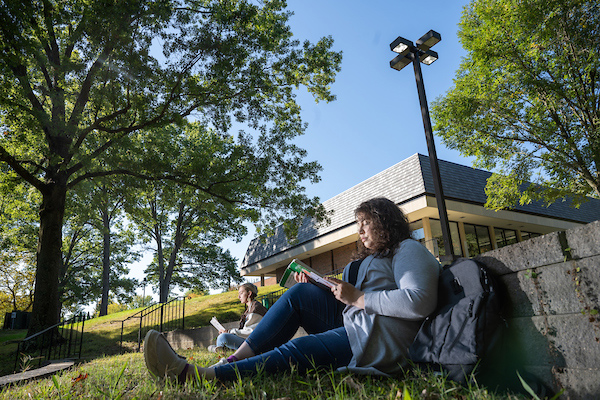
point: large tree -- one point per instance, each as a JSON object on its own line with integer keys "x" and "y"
{"x": 81, "y": 77}
{"x": 97, "y": 246}
{"x": 183, "y": 223}
{"x": 526, "y": 100}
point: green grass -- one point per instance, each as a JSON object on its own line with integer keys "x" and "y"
{"x": 104, "y": 373}
{"x": 125, "y": 377}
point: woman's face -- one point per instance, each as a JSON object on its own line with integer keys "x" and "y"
{"x": 243, "y": 295}
{"x": 365, "y": 231}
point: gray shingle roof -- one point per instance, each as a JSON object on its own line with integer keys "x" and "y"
{"x": 409, "y": 179}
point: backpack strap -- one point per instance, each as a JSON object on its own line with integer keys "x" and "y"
{"x": 353, "y": 271}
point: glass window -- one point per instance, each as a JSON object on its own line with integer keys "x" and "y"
{"x": 418, "y": 233}
{"x": 471, "y": 239}
{"x": 529, "y": 235}
{"x": 510, "y": 236}
{"x": 505, "y": 237}
{"x": 483, "y": 237}
{"x": 478, "y": 239}
{"x": 417, "y": 230}
{"x": 436, "y": 232}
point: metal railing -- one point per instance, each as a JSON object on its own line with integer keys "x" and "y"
{"x": 268, "y": 299}
{"x": 61, "y": 341}
{"x": 160, "y": 316}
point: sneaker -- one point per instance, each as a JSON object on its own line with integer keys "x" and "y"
{"x": 222, "y": 361}
{"x": 213, "y": 348}
{"x": 161, "y": 360}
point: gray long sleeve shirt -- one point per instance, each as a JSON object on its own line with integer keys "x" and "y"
{"x": 400, "y": 292}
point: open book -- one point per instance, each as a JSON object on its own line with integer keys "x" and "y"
{"x": 287, "y": 280}
{"x": 215, "y": 322}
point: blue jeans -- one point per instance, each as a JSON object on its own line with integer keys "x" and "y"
{"x": 304, "y": 305}
{"x": 229, "y": 340}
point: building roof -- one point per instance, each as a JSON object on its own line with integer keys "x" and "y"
{"x": 405, "y": 181}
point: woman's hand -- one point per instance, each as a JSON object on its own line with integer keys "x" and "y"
{"x": 346, "y": 293}
{"x": 300, "y": 277}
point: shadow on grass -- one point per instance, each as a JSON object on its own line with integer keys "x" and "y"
{"x": 102, "y": 336}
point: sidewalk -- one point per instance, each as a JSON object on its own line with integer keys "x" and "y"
{"x": 53, "y": 367}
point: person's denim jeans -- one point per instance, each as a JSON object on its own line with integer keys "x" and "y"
{"x": 304, "y": 305}
{"x": 229, "y": 340}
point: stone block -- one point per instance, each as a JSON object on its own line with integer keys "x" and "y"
{"x": 579, "y": 383}
{"x": 584, "y": 241}
{"x": 189, "y": 338}
{"x": 576, "y": 340}
{"x": 556, "y": 289}
{"x": 532, "y": 253}
{"x": 204, "y": 336}
{"x": 563, "y": 341}
{"x": 521, "y": 293}
{"x": 528, "y": 344}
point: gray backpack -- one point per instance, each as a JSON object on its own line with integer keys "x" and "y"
{"x": 466, "y": 324}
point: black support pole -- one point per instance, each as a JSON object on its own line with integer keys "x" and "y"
{"x": 435, "y": 170}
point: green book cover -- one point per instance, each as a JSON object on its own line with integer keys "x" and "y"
{"x": 287, "y": 280}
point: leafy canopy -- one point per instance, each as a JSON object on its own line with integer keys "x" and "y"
{"x": 84, "y": 85}
{"x": 526, "y": 99}
{"x": 79, "y": 78}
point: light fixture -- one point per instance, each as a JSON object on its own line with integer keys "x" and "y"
{"x": 428, "y": 57}
{"x": 428, "y": 40}
{"x": 401, "y": 45}
{"x": 400, "y": 62}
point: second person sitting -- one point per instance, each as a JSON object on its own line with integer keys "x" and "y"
{"x": 233, "y": 338}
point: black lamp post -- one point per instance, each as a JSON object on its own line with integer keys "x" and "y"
{"x": 422, "y": 53}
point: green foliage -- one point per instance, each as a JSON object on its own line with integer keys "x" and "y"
{"x": 532, "y": 393}
{"x": 116, "y": 307}
{"x": 139, "y": 302}
{"x": 525, "y": 98}
{"x": 97, "y": 245}
{"x": 87, "y": 87}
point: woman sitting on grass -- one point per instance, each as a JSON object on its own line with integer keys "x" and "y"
{"x": 233, "y": 338}
{"x": 364, "y": 328}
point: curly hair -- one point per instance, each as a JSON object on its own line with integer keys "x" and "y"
{"x": 389, "y": 226}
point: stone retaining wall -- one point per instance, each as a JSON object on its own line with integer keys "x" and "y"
{"x": 204, "y": 336}
{"x": 553, "y": 285}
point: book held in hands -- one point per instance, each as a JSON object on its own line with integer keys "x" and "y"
{"x": 287, "y": 280}
{"x": 215, "y": 322}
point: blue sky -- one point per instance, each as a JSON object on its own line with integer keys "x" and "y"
{"x": 376, "y": 120}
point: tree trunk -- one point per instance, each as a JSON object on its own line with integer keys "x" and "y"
{"x": 46, "y": 302}
{"x": 177, "y": 243}
{"x": 105, "y": 264}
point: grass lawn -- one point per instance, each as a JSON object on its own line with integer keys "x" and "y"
{"x": 105, "y": 373}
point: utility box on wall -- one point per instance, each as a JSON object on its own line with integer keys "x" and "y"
{"x": 16, "y": 320}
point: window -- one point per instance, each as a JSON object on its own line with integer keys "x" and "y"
{"x": 418, "y": 234}
{"x": 529, "y": 235}
{"x": 478, "y": 239}
{"x": 505, "y": 237}
{"x": 436, "y": 232}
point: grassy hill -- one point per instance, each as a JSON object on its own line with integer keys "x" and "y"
{"x": 102, "y": 335}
